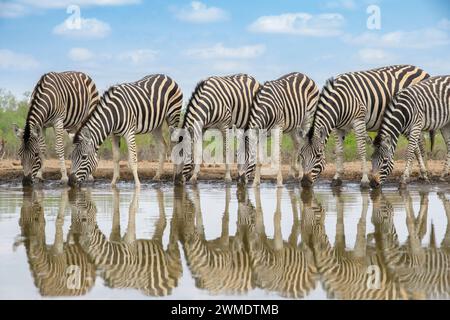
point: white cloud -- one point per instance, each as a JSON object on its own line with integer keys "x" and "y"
{"x": 80, "y": 54}
{"x": 303, "y": 24}
{"x": 83, "y": 28}
{"x": 139, "y": 56}
{"x": 416, "y": 39}
{"x": 341, "y": 4}
{"x": 11, "y": 60}
{"x": 374, "y": 56}
{"x": 199, "y": 12}
{"x": 219, "y": 51}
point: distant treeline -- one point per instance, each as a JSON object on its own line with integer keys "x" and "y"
{"x": 14, "y": 110}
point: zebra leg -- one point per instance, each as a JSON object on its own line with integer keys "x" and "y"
{"x": 226, "y": 150}
{"x": 116, "y": 159}
{"x": 196, "y": 149}
{"x": 257, "y": 177}
{"x": 361, "y": 242}
{"x": 59, "y": 148}
{"x": 162, "y": 146}
{"x": 445, "y": 131}
{"x": 361, "y": 134}
{"x": 295, "y": 231}
{"x": 337, "y": 180}
{"x": 225, "y": 234}
{"x": 278, "y": 141}
{"x": 410, "y": 155}
{"x": 58, "y": 244}
{"x": 295, "y": 170}
{"x": 115, "y": 229}
{"x": 132, "y": 157}
{"x": 422, "y": 166}
{"x": 424, "y": 156}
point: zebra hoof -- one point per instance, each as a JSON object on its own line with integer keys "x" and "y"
{"x": 443, "y": 178}
{"x": 336, "y": 182}
{"x": 256, "y": 184}
{"x": 156, "y": 178}
{"x": 64, "y": 180}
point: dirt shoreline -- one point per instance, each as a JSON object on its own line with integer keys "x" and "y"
{"x": 12, "y": 170}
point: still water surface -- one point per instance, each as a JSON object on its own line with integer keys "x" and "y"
{"x": 214, "y": 241}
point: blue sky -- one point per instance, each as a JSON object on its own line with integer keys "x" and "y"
{"x": 123, "y": 40}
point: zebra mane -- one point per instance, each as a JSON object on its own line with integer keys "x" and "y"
{"x": 27, "y": 129}
{"x": 329, "y": 83}
{"x": 198, "y": 87}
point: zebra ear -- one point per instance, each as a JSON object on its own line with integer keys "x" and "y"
{"x": 301, "y": 133}
{"x": 36, "y": 132}
{"x": 17, "y": 131}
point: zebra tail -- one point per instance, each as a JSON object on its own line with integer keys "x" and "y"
{"x": 432, "y": 136}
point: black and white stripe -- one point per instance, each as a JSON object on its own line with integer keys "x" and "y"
{"x": 354, "y": 100}
{"x": 127, "y": 262}
{"x": 221, "y": 103}
{"x": 287, "y": 105}
{"x": 59, "y": 100}
{"x": 424, "y": 106}
{"x": 125, "y": 110}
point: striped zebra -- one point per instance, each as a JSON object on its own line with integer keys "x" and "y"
{"x": 129, "y": 262}
{"x": 357, "y": 273}
{"x": 422, "y": 271}
{"x": 59, "y": 100}
{"x": 60, "y": 269}
{"x": 2, "y": 148}
{"x": 222, "y": 103}
{"x": 221, "y": 265}
{"x": 125, "y": 110}
{"x": 424, "y": 106}
{"x": 284, "y": 267}
{"x": 354, "y": 100}
{"x": 286, "y": 105}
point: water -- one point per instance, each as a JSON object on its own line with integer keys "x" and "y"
{"x": 228, "y": 243}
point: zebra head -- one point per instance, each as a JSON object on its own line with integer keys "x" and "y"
{"x": 182, "y": 156}
{"x": 312, "y": 157}
{"x": 84, "y": 157}
{"x": 246, "y": 168}
{"x": 31, "y": 152}
{"x": 382, "y": 160}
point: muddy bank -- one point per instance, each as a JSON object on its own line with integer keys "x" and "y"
{"x": 12, "y": 170}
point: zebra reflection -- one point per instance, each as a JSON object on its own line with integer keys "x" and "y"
{"x": 284, "y": 267}
{"x": 127, "y": 262}
{"x": 60, "y": 269}
{"x": 221, "y": 265}
{"x": 422, "y": 270}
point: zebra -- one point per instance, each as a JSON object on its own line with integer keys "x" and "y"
{"x": 59, "y": 100}
{"x": 349, "y": 274}
{"x": 221, "y": 265}
{"x": 354, "y": 100}
{"x": 424, "y": 106}
{"x": 128, "y": 262}
{"x": 60, "y": 269}
{"x": 284, "y": 267}
{"x": 422, "y": 271}
{"x": 287, "y": 105}
{"x": 222, "y": 103}
{"x": 125, "y": 110}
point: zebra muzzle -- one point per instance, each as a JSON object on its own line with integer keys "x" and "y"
{"x": 27, "y": 180}
{"x": 73, "y": 182}
{"x": 307, "y": 181}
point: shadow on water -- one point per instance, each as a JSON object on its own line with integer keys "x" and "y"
{"x": 377, "y": 265}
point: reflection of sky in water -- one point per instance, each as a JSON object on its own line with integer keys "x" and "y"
{"x": 16, "y": 280}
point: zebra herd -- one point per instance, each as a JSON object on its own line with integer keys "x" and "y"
{"x": 291, "y": 265}
{"x": 392, "y": 100}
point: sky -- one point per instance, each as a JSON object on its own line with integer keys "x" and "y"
{"x": 118, "y": 41}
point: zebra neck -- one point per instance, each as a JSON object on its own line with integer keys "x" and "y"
{"x": 100, "y": 128}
